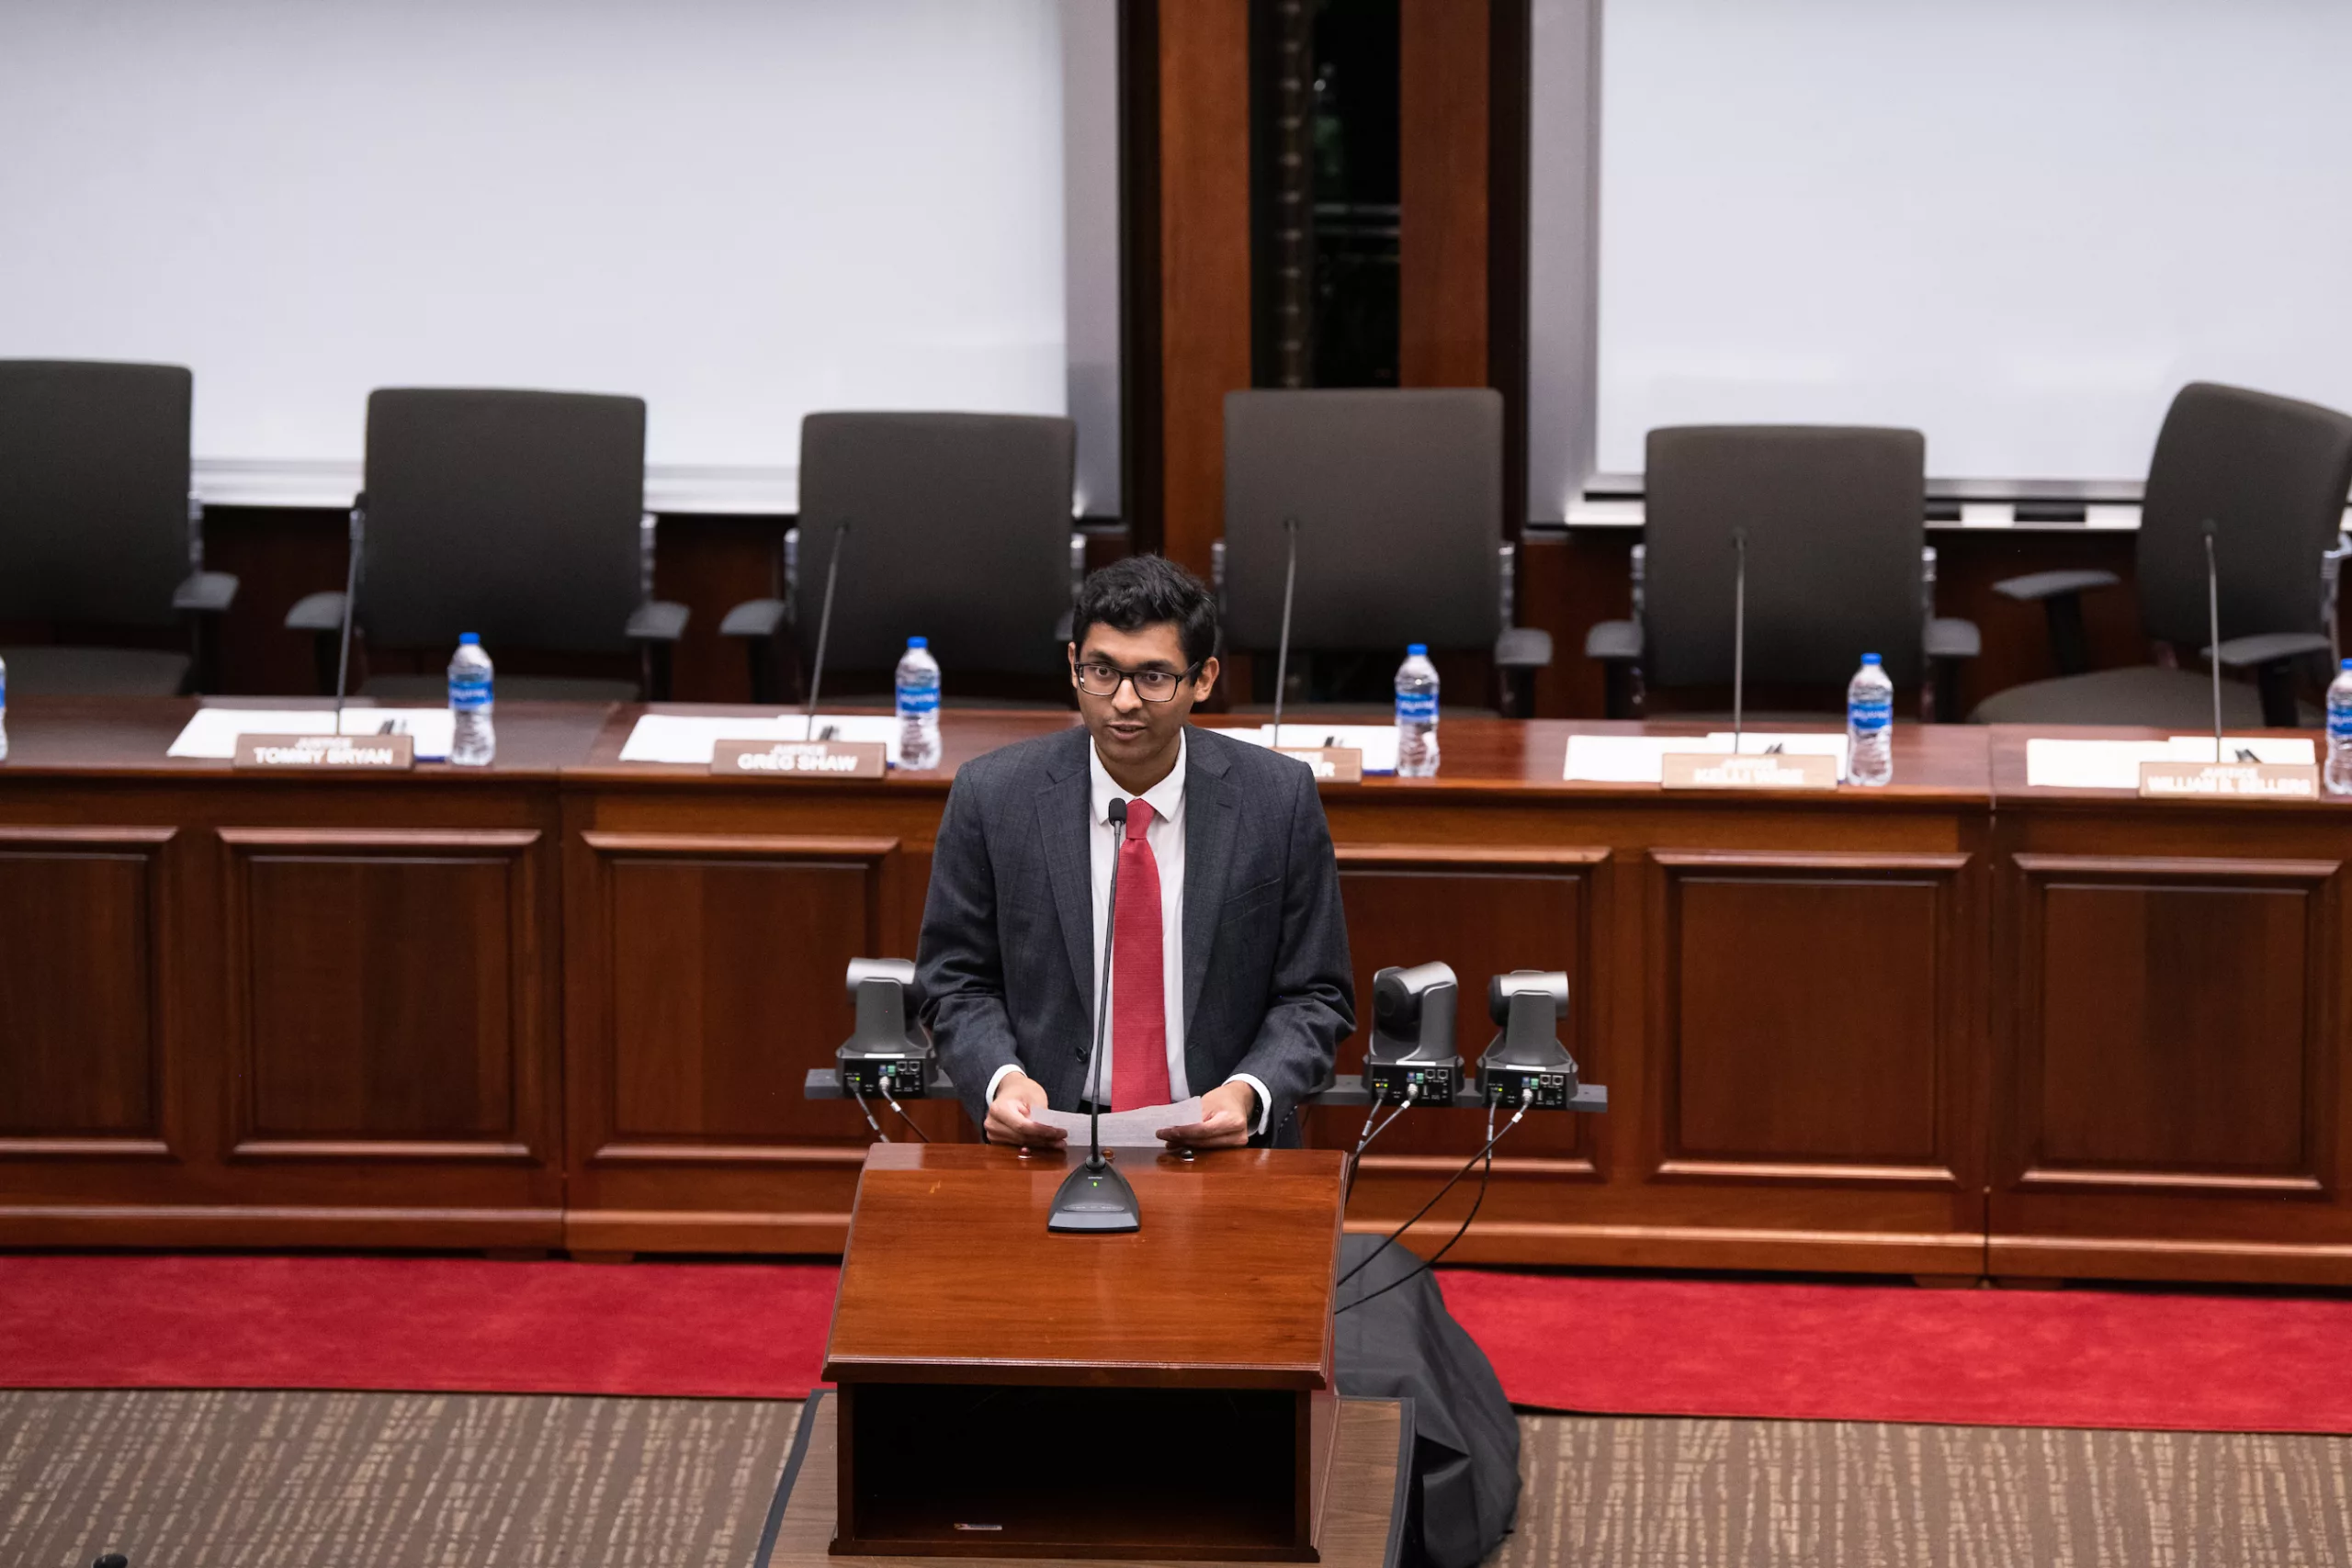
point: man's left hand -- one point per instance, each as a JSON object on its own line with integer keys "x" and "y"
{"x": 1227, "y": 1112}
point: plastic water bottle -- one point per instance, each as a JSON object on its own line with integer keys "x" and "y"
{"x": 1870, "y": 724}
{"x": 4, "y": 711}
{"x": 472, "y": 742}
{"x": 918, "y": 706}
{"x": 2339, "y": 732}
{"x": 1416, "y": 715}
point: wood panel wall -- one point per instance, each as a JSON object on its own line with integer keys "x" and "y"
{"x": 1442, "y": 112}
{"x": 1204, "y": 170}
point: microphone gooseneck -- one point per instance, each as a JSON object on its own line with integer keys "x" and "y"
{"x": 825, "y": 625}
{"x": 1094, "y": 1198}
{"x": 1281, "y": 653}
{"x": 350, "y": 599}
{"x": 2213, "y": 632}
{"x": 1738, "y": 634}
{"x": 1118, "y": 814}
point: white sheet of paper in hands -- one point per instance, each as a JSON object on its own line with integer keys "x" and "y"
{"x": 1126, "y": 1129}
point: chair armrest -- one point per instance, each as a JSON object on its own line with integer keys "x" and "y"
{"x": 316, "y": 613}
{"x": 1951, "y": 638}
{"x": 756, "y": 618}
{"x": 2248, "y": 653}
{"x": 1524, "y": 647}
{"x": 207, "y": 594}
{"x": 1615, "y": 640}
{"x": 2038, "y": 585}
{"x": 657, "y": 620}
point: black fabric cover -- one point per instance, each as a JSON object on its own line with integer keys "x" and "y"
{"x": 1836, "y": 517}
{"x": 2272, "y": 474}
{"x": 93, "y": 490}
{"x": 1466, "y": 1447}
{"x": 959, "y": 532}
{"x": 513, "y": 514}
{"x": 1398, "y": 494}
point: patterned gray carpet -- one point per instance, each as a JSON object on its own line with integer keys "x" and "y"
{"x": 463, "y": 1480}
{"x": 385, "y": 1479}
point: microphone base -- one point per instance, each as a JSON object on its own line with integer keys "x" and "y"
{"x": 1095, "y": 1199}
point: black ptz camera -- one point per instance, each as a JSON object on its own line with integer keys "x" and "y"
{"x": 1526, "y": 1061}
{"x": 889, "y": 1053}
{"x": 1412, "y": 1049}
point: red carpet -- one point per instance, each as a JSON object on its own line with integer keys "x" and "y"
{"x": 1619, "y": 1345}
{"x": 443, "y": 1323}
{"x": 1899, "y": 1353}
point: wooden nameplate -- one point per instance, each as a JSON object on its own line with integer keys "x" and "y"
{"x": 328, "y": 753}
{"x": 1748, "y": 770}
{"x": 2228, "y": 780}
{"x": 800, "y": 758}
{"x": 1333, "y": 764}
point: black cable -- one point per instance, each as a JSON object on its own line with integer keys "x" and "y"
{"x": 1526, "y": 1099}
{"x": 1486, "y": 1178}
{"x": 1355, "y": 1160}
{"x": 909, "y": 1121}
{"x": 868, "y": 1111}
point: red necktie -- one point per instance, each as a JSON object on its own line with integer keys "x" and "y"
{"x": 1139, "y": 994}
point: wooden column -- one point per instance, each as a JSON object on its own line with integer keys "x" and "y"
{"x": 1205, "y": 259}
{"x": 1442, "y": 175}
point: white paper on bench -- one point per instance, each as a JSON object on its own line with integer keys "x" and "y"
{"x": 1640, "y": 758}
{"x": 2115, "y": 764}
{"x": 689, "y": 738}
{"x": 1376, "y": 742}
{"x": 211, "y": 733}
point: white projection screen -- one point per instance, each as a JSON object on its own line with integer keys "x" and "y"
{"x": 742, "y": 210}
{"x": 2016, "y": 225}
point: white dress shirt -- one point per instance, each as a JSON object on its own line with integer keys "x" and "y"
{"x": 1165, "y": 834}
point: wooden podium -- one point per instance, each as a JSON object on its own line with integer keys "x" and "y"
{"x": 1007, "y": 1392}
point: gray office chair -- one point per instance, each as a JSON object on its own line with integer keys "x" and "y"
{"x": 519, "y": 515}
{"x": 2271, "y": 474}
{"x": 1836, "y": 521}
{"x": 959, "y": 532}
{"x": 98, "y": 530}
{"x": 1398, "y": 498}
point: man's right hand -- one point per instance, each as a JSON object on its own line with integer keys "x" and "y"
{"x": 1009, "y": 1115}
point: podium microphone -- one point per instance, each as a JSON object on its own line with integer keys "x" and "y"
{"x": 1094, "y": 1197}
{"x": 824, "y": 626}
{"x": 1281, "y": 654}
{"x": 1738, "y": 633}
{"x": 350, "y": 597}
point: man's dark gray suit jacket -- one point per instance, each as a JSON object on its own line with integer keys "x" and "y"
{"x": 1007, "y": 958}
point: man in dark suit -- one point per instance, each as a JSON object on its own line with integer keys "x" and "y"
{"x": 1229, "y": 974}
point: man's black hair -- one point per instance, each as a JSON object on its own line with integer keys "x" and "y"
{"x": 1148, "y": 591}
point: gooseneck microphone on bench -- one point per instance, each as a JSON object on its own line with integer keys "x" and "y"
{"x": 1094, "y": 1196}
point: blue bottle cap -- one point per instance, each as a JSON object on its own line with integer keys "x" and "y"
{"x": 2346, "y": 664}
{"x": 465, "y": 638}
{"x": 918, "y": 642}
{"x": 1870, "y": 658}
{"x": 1416, "y": 650}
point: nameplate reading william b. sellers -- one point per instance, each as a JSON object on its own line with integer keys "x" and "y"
{"x": 1749, "y": 769}
{"x": 800, "y": 758}
{"x": 2228, "y": 780}
{"x": 328, "y": 753}
{"x": 1333, "y": 764}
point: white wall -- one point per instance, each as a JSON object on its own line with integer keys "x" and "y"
{"x": 742, "y": 210}
{"x": 2019, "y": 225}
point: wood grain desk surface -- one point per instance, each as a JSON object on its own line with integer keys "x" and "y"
{"x": 583, "y": 742}
{"x": 951, "y": 1276}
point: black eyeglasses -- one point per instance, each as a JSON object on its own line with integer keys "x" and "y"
{"x": 1099, "y": 680}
